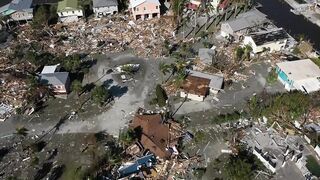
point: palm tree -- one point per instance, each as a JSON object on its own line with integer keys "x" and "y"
{"x": 177, "y": 8}
{"x": 179, "y": 78}
{"x": 22, "y": 131}
{"x": 164, "y": 68}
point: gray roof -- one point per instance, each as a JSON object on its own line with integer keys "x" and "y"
{"x": 246, "y": 20}
{"x": 56, "y": 79}
{"x": 4, "y": 2}
{"x": 104, "y": 3}
{"x": 206, "y": 55}
{"x": 313, "y": 127}
{"x": 20, "y": 5}
{"x": 216, "y": 80}
{"x": 42, "y": 2}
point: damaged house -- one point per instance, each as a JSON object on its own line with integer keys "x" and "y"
{"x": 69, "y": 11}
{"x": 198, "y": 85}
{"x": 243, "y": 24}
{"x": 158, "y": 135}
{"x": 105, "y": 7}
{"x": 59, "y": 82}
{"x": 273, "y": 40}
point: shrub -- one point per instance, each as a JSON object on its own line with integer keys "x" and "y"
{"x": 313, "y": 166}
{"x": 161, "y": 96}
{"x": 272, "y": 76}
{"x": 100, "y": 94}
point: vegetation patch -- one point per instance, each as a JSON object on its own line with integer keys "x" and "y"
{"x": 313, "y": 166}
{"x": 229, "y": 117}
{"x": 283, "y": 108}
{"x": 316, "y": 61}
{"x": 272, "y": 76}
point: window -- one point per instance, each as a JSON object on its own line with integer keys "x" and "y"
{"x": 137, "y": 9}
{"x": 72, "y": 12}
{"x": 144, "y": 8}
{"x": 156, "y": 7}
{"x": 61, "y": 14}
{"x": 134, "y": 9}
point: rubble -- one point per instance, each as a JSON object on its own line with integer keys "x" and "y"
{"x": 110, "y": 35}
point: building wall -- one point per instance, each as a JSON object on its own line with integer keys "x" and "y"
{"x": 63, "y": 88}
{"x": 272, "y": 46}
{"x": 214, "y": 91}
{"x": 68, "y": 13}
{"x": 264, "y": 162}
{"x": 21, "y": 15}
{"x": 103, "y": 11}
{"x": 226, "y": 30}
{"x": 317, "y": 150}
{"x": 192, "y": 96}
{"x": 146, "y": 9}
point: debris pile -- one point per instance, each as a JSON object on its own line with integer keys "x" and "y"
{"x": 114, "y": 34}
{"x": 13, "y": 90}
{"x": 156, "y": 151}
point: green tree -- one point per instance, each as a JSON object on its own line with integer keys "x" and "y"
{"x": 128, "y": 137}
{"x": 100, "y": 94}
{"x": 22, "y": 131}
{"x": 161, "y": 96}
{"x": 177, "y": 8}
{"x": 242, "y": 166}
{"x": 41, "y": 16}
{"x": 238, "y": 169}
{"x": 72, "y": 63}
{"x": 247, "y": 51}
{"x": 239, "y": 53}
{"x": 76, "y": 86}
{"x": 32, "y": 81}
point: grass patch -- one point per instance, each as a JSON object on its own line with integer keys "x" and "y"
{"x": 199, "y": 136}
{"x": 313, "y": 166}
{"x": 229, "y": 117}
{"x": 272, "y": 76}
{"x": 316, "y": 61}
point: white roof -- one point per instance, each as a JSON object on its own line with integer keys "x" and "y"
{"x": 49, "y": 69}
{"x": 216, "y": 80}
{"x": 135, "y": 3}
{"x": 300, "y": 69}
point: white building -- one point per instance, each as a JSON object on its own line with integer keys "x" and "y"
{"x": 198, "y": 85}
{"x": 265, "y": 159}
{"x": 243, "y": 24}
{"x": 302, "y": 75}
{"x": 69, "y": 11}
{"x": 105, "y": 7}
{"x": 274, "y": 40}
